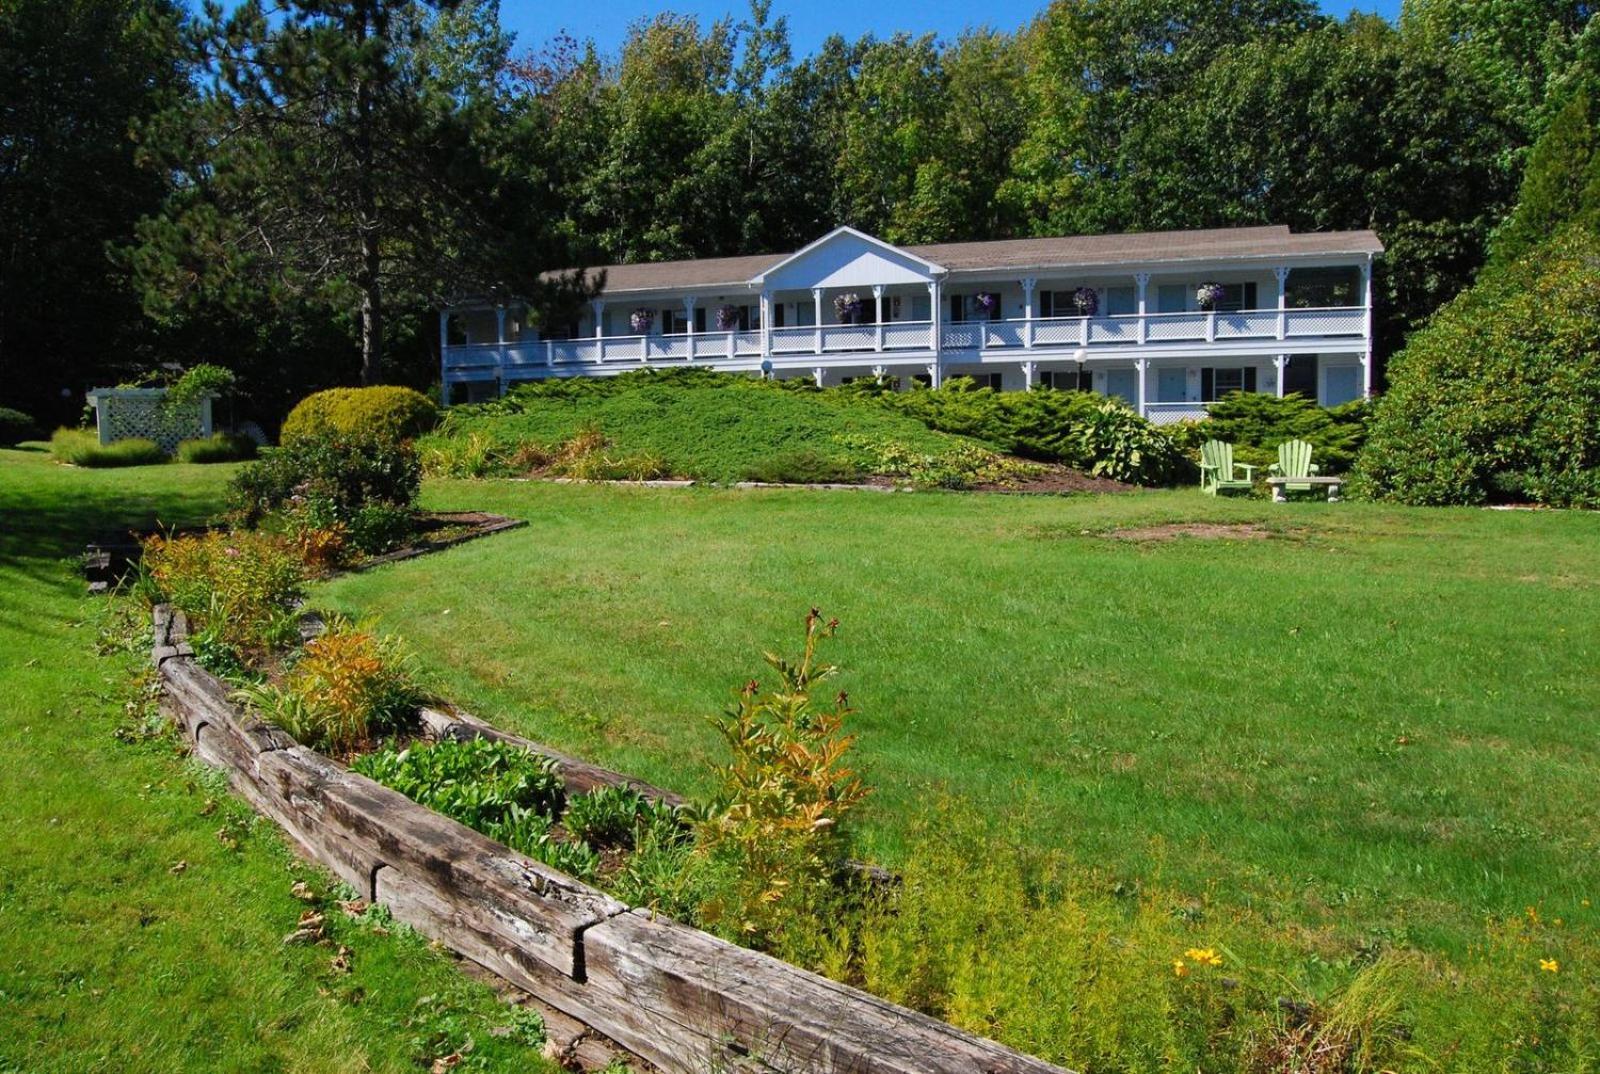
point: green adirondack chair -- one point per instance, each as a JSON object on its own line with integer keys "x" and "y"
{"x": 1294, "y": 460}
{"x": 1217, "y": 469}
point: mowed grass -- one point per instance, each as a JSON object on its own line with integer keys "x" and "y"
{"x": 142, "y": 911}
{"x": 1376, "y": 727}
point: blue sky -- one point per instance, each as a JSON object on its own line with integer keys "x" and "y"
{"x": 810, "y": 21}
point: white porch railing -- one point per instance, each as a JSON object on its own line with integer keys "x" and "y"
{"x": 1122, "y": 334}
{"x": 1167, "y": 413}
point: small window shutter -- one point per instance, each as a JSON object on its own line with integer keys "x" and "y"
{"x": 1250, "y": 304}
{"x": 956, "y": 308}
{"x": 920, "y": 304}
{"x": 777, "y": 315}
{"x": 1047, "y": 305}
{"x": 699, "y": 318}
{"x": 1208, "y": 383}
{"x": 1250, "y": 377}
{"x": 748, "y": 316}
{"x": 996, "y": 312}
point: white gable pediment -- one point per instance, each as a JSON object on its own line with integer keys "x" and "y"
{"x": 847, "y": 258}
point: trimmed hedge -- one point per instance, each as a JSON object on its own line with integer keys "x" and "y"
{"x": 15, "y": 427}
{"x": 386, "y": 413}
{"x": 1498, "y": 397}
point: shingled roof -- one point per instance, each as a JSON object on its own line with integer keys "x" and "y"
{"x": 1072, "y": 251}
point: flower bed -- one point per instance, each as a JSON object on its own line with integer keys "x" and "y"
{"x": 676, "y": 996}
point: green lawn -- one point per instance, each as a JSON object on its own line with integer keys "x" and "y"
{"x": 1379, "y": 725}
{"x": 109, "y": 959}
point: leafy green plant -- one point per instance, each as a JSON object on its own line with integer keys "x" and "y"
{"x": 240, "y": 583}
{"x": 82, "y": 447}
{"x": 805, "y": 466}
{"x": 197, "y": 383}
{"x": 347, "y": 685}
{"x": 219, "y": 447}
{"x": 15, "y": 426}
{"x": 386, "y": 414}
{"x": 488, "y": 785}
{"x": 778, "y": 816}
{"x": 959, "y": 465}
{"x": 618, "y": 816}
{"x": 365, "y": 486}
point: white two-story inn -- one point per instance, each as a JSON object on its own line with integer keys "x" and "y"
{"x": 1167, "y": 320}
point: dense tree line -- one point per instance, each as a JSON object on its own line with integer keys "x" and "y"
{"x": 289, "y": 193}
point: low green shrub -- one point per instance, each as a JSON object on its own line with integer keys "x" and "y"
{"x": 82, "y": 447}
{"x": 362, "y": 489}
{"x": 346, "y": 686}
{"x": 958, "y": 465}
{"x": 241, "y": 584}
{"x": 218, "y": 447}
{"x": 805, "y": 466}
{"x": 385, "y": 413}
{"x": 1256, "y": 423}
{"x": 15, "y": 427}
{"x": 619, "y": 817}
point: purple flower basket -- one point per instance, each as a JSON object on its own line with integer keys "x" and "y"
{"x": 1087, "y": 299}
{"x": 1209, "y": 294}
{"x": 848, "y": 307}
{"x": 641, "y": 320}
{"x": 727, "y": 318}
{"x": 985, "y": 301}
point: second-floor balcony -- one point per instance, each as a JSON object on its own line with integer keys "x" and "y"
{"x": 1084, "y": 337}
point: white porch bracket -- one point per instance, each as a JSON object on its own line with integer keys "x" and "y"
{"x": 1282, "y": 273}
{"x": 1029, "y": 371}
{"x": 877, "y": 301}
{"x": 933, "y": 374}
{"x": 879, "y": 372}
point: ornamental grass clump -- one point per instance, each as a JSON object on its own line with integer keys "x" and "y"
{"x": 347, "y": 686}
{"x": 240, "y": 585}
{"x": 778, "y": 821}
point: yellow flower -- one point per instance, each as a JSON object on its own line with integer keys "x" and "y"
{"x": 1533, "y": 915}
{"x": 1549, "y": 965}
{"x": 1203, "y": 956}
{"x": 1179, "y": 969}
{"x": 1585, "y": 902}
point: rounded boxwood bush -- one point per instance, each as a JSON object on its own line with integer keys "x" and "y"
{"x": 1498, "y": 397}
{"x": 386, "y": 413}
{"x": 15, "y": 426}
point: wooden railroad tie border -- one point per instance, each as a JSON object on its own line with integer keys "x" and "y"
{"x": 677, "y": 997}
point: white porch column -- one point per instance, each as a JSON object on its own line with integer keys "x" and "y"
{"x": 444, "y": 366}
{"x": 1141, "y": 280}
{"x": 818, "y": 374}
{"x": 1280, "y": 362}
{"x": 1029, "y": 370}
{"x": 500, "y": 340}
{"x": 816, "y": 303}
{"x": 599, "y": 307}
{"x": 1142, "y": 365}
{"x": 1282, "y": 273}
{"x": 1028, "y": 285}
{"x": 766, "y": 324}
{"x": 879, "y": 372}
{"x": 1366, "y": 351}
{"x": 933, "y": 374}
{"x": 935, "y": 326}
{"x": 688, "y": 323}
{"x": 877, "y": 299}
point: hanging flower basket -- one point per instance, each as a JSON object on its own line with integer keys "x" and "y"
{"x": 985, "y": 301}
{"x": 1087, "y": 299}
{"x": 848, "y": 307}
{"x": 727, "y": 318}
{"x": 641, "y": 320}
{"x": 1209, "y": 294}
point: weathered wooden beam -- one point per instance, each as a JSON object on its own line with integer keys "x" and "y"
{"x": 688, "y": 991}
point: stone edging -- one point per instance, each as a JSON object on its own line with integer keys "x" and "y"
{"x": 675, "y": 996}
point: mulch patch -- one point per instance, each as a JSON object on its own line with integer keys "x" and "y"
{"x": 1060, "y": 479}
{"x": 1205, "y": 531}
